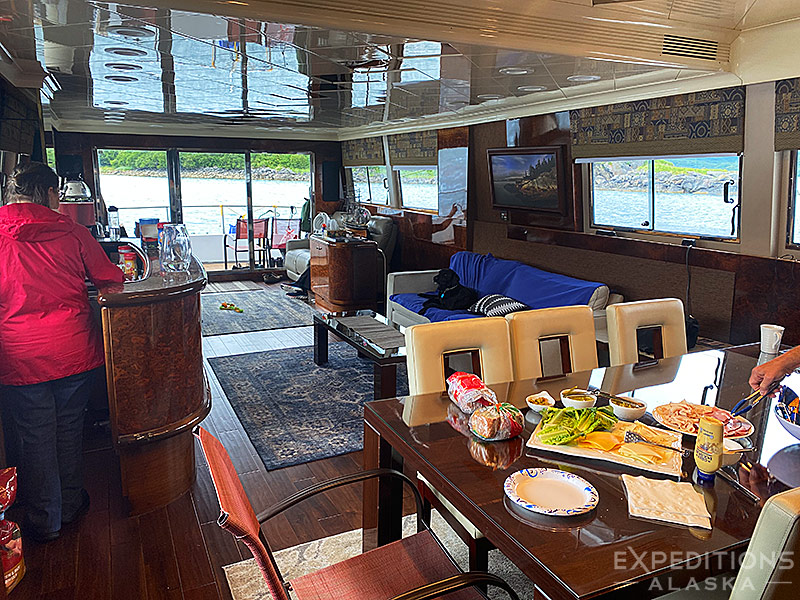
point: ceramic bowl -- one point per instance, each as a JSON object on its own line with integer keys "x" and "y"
{"x": 545, "y": 400}
{"x": 628, "y": 413}
{"x": 575, "y": 403}
{"x": 790, "y": 427}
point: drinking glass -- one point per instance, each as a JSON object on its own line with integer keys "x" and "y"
{"x": 174, "y": 248}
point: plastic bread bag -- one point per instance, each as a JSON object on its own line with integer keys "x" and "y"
{"x": 468, "y": 392}
{"x": 10, "y": 536}
{"x": 497, "y": 455}
{"x": 497, "y": 422}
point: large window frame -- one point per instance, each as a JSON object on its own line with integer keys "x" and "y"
{"x": 383, "y": 185}
{"x": 651, "y": 230}
{"x": 410, "y": 207}
{"x": 791, "y": 216}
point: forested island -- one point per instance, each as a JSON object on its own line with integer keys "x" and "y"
{"x": 632, "y": 175}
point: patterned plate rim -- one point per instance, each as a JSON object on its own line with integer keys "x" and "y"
{"x": 510, "y": 489}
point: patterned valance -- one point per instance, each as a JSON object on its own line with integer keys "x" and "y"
{"x": 697, "y": 123}
{"x": 360, "y": 153}
{"x": 787, "y": 114}
{"x": 417, "y": 148}
{"x": 19, "y": 119}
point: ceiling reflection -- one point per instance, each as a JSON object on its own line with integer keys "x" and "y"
{"x": 118, "y": 63}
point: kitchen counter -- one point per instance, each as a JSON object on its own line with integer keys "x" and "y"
{"x": 157, "y": 388}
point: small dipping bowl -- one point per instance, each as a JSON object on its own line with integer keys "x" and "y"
{"x": 627, "y": 409}
{"x": 730, "y": 456}
{"x": 540, "y": 401}
{"x": 578, "y": 402}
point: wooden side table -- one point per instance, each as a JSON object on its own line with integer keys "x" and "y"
{"x": 343, "y": 273}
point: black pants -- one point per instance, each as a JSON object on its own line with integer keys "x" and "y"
{"x": 304, "y": 281}
{"x": 48, "y": 424}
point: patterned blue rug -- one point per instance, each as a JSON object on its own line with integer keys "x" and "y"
{"x": 263, "y": 309}
{"x": 294, "y": 411}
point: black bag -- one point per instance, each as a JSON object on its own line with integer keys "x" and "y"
{"x": 450, "y": 294}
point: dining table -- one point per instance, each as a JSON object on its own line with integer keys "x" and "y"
{"x": 603, "y": 553}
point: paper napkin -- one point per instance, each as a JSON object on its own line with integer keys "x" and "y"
{"x": 665, "y": 500}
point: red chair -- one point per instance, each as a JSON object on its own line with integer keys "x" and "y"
{"x": 284, "y": 230}
{"x": 420, "y": 567}
{"x": 260, "y": 229}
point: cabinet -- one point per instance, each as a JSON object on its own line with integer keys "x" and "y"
{"x": 343, "y": 273}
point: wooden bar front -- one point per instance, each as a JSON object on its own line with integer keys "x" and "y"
{"x": 157, "y": 389}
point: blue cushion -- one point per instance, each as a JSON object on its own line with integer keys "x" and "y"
{"x": 414, "y": 303}
{"x": 529, "y": 285}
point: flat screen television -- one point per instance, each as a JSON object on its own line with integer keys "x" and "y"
{"x": 528, "y": 178}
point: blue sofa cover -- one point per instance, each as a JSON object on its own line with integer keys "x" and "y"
{"x": 489, "y": 275}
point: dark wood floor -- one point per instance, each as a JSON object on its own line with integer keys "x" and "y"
{"x": 178, "y": 551}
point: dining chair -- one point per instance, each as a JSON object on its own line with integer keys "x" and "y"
{"x": 770, "y": 569}
{"x": 571, "y": 326}
{"x": 420, "y": 568}
{"x": 663, "y": 316}
{"x": 428, "y": 345}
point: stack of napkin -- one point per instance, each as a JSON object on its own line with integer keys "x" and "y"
{"x": 665, "y": 500}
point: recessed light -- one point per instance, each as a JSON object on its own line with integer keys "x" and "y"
{"x": 126, "y": 51}
{"x": 583, "y": 78}
{"x": 121, "y": 78}
{"x": 117, "y": 102}
{"x": 531, "y": 88}
{"x": 489, "y": 96}
{"x": 130, "y": 31}
{"x": 123, "y": 66}
{"x": 514, "y": 71}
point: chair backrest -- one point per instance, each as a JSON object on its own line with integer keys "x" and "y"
{"x": 528, "y": 328}
{"x": 236, "y": 514}
{"x": 427, "y": 345}
{"x": 771, "y": 569}
{"x": 259, "y": 229}
{"x": 284, "y": 230}
{"x": 625, "y": 318}
{"x": 383, "y": 230}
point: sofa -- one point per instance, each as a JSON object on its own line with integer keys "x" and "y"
{"x": 489, "y": 275}
{"x": 380, "y": 229}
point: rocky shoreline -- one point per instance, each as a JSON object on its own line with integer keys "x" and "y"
{"x": 259, "y": 173}
{"x": 620, "y": 177}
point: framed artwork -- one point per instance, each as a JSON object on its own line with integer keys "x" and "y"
{"x": 528, "y": 178}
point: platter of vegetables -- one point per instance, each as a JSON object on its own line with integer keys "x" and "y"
{"x": 561, "y": 426}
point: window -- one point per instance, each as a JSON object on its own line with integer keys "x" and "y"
{"x": 213, "y": 191}
{"x": 793, "y": 234}
{"x": 135, "y": 181}
{"x": 690, "y": 195}
{"x": 419, "y": 187}
{"x": 369, "y": 184}
{"x": 281, "y": 184}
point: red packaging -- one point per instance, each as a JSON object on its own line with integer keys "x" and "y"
{"x": 468, "y": 392}
{"x": 10, "y": 536}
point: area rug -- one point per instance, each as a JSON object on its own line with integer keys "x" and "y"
{"x": 246, "y": 582}
{"x": 261, "y": 310}
{"x": 294, "y": 411}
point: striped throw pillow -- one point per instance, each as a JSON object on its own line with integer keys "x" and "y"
{"x": 496, "y": 305}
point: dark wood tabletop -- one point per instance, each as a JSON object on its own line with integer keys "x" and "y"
{"x": 605, "y": 552}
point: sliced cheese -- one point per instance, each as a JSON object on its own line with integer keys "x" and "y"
{"x": 642, "y": 452}
{"x": 602, "y": 440}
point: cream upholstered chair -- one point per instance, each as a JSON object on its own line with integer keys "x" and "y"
{"x": 625, "y": 318}
{"x": 530, "y": 327}
{"x": 770, "y": 569}
{"x": 427, "y": 344}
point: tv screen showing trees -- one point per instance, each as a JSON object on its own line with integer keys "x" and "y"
{"x": 528, "y": 178}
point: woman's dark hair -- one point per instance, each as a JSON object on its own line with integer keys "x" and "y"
{"x": 32, "y": 181}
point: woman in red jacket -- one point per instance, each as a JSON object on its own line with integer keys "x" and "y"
{"x": 50, "y": 348}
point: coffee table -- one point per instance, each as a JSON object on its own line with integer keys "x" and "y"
{"x": 374, "y": 339}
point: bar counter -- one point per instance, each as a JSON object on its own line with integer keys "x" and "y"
{"x": 157, "y": 389}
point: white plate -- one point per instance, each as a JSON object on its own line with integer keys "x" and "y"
{"x": 551, "y": 492}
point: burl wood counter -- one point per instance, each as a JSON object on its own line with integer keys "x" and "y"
{"x": 157, "y": 389}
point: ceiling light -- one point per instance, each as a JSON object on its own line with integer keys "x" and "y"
{"x": 514, "y": 71}
{"x": 583, "y": 78}
{"x": 126, "y": 51}
{"x": 131, "y": 31}
{"x": 123, "y": 66}
{"x": 531, "y": 88}
{"x": 121, "y": 78}
{"x": 489, "y": 96}
{"x": 116, "y": 102}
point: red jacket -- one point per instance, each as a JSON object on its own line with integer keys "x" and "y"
{"x": 46, "y": 327}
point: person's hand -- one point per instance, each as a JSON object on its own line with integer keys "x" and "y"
{"x": 756, "y": 478}
{"x": 453, "y": 211}
{"x": 762, "y": 376}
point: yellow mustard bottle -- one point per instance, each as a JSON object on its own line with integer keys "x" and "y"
{"x": 708, "y": 449}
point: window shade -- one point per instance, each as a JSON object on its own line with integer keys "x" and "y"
{"x": 417, "y": 148}
{"x": 367, "y": 152}
{"x": 787, "y": 114}
{"x": 698, "y": 123}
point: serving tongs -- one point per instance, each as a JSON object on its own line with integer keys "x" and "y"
{"x": 749, "y": 402}
{"x": 633, "y": 437}
{"x": 609, "y": 397}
